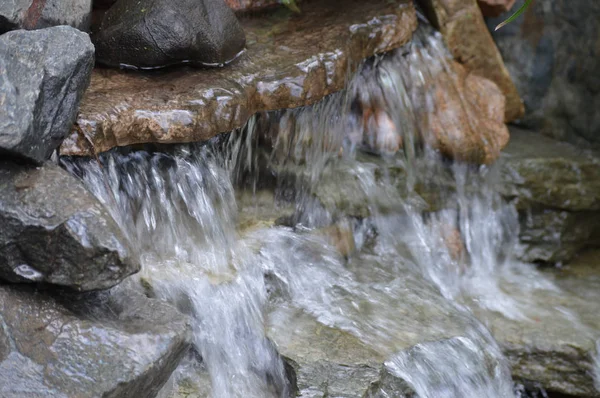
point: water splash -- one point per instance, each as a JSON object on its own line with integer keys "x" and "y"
{"x": 178, "y": 207}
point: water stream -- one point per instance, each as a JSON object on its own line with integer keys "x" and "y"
{"x": 180, "y": 209}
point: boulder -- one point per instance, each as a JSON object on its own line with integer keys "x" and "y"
{"x": 43, "y": 75}
{"x": 493, "y": 8}
{"x": 54, "y": 231}
{"x": 471, "y": 44}
{"x": 464, "y": 118}
{"x": 35, "y": 14}
{"x": 552, "y": 53}
{"x": 158, "y": 33}
{"x": 556, "y": 188}
{"x": 113, "y": 345}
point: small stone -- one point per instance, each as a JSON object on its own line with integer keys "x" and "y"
{"x": 158, "y": 33}
{"x": 43, "y": 75}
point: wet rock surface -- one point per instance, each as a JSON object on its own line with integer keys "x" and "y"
{"x": 554, "y": 344}
{"x": 361, "y": 357}
{"x": 43, "y": 74}
{"x": 466, "y": 120}
{"x": 160, "y": 33}
{"x": 251, "y": 5}
{"x": 54, "y": 231}
{"x": 291, "y": 60}
{"x": 556, "y": 187}
{"x": 117, "y": 345}
{"x": 469, "y": 41}
{"x": 35, "y": 14}
{"x": 552, "y": 53}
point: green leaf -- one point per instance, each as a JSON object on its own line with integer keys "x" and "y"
{"x": 291, "y": 4}
{"x": 515, "y": 15}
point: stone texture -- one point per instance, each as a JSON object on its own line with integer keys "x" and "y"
{"x": 541, "y": 171}
{"x": 469, "y": 41}
{"x": 158, "y": 33}
{"x": 555, "y": 344}
{"x": 54, "y": 231}
{"x": 556, "y": 187}
{"x": 493, "y": 8}
{"x": 465, "y": 120}
{"x": 111, "y": 345}
{"x": 38, "y": 14}
{"x": 366, "y": 359}
{"x": 291, "y": 61}
{"x": 553, "y": 55}
{"x": 43, "y": 74}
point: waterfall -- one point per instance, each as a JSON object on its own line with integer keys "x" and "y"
{"x": 178, "y": 207}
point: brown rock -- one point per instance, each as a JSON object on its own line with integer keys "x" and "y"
{"x": 493, "y": 8}
{"x": 250, "y": 5}
{"x": 290, "y": 61}
{"x": 341, "y": 237}
{"x": 471, "y": 44}
{"x": 466, "y": 121}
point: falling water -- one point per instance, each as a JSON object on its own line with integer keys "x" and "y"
{"x": 178, "y": 208}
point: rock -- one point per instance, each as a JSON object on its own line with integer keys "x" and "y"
{"x": 54, "y": 231}
{"x": 556, "y": 188}
{"x": 554, "y": 237}
{"x": 464, "y": 121}
{"x": 117, "y": 345}
{"x": 465, "y": 32}
{"x": 43, "y": 75}
{"x": 552, "y": 53}
{"x": 251, "y": 5}
{"x": 158, "y": 33}
{"x": 370, "y": 342}
{"x": 554, "y": 345}
{"x": 493, "y": 8}
{"x": 291, "y": 61}
{"x": 35, "y": 14}
{"x": 537, "y": 170}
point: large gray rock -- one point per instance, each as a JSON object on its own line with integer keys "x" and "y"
{"x": 117, "y": 345}
{"x": 54, "y": 231}
{"x": 556, "y": 188}
{"x": 35, "y": 14}
{"x": 553, "y": 56}
{"x": 43, "y": 74}
{"x": 157, "y": 33}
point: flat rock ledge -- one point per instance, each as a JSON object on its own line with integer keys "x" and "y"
{"x": 291, "y": 60}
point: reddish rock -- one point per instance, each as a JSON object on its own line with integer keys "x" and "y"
{"x": 465, "y": 121}
{"x": 493, "y": 8}
{"x": 471, "y": 44}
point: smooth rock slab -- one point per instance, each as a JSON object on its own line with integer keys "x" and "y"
{"x": 291, "y": 60}
{"x": 54, "y": 231}
{"x": 43, "y": 74}
{"x": 117, "y": 345}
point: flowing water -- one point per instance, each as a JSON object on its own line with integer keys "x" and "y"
{"x": 398, "y": 278}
